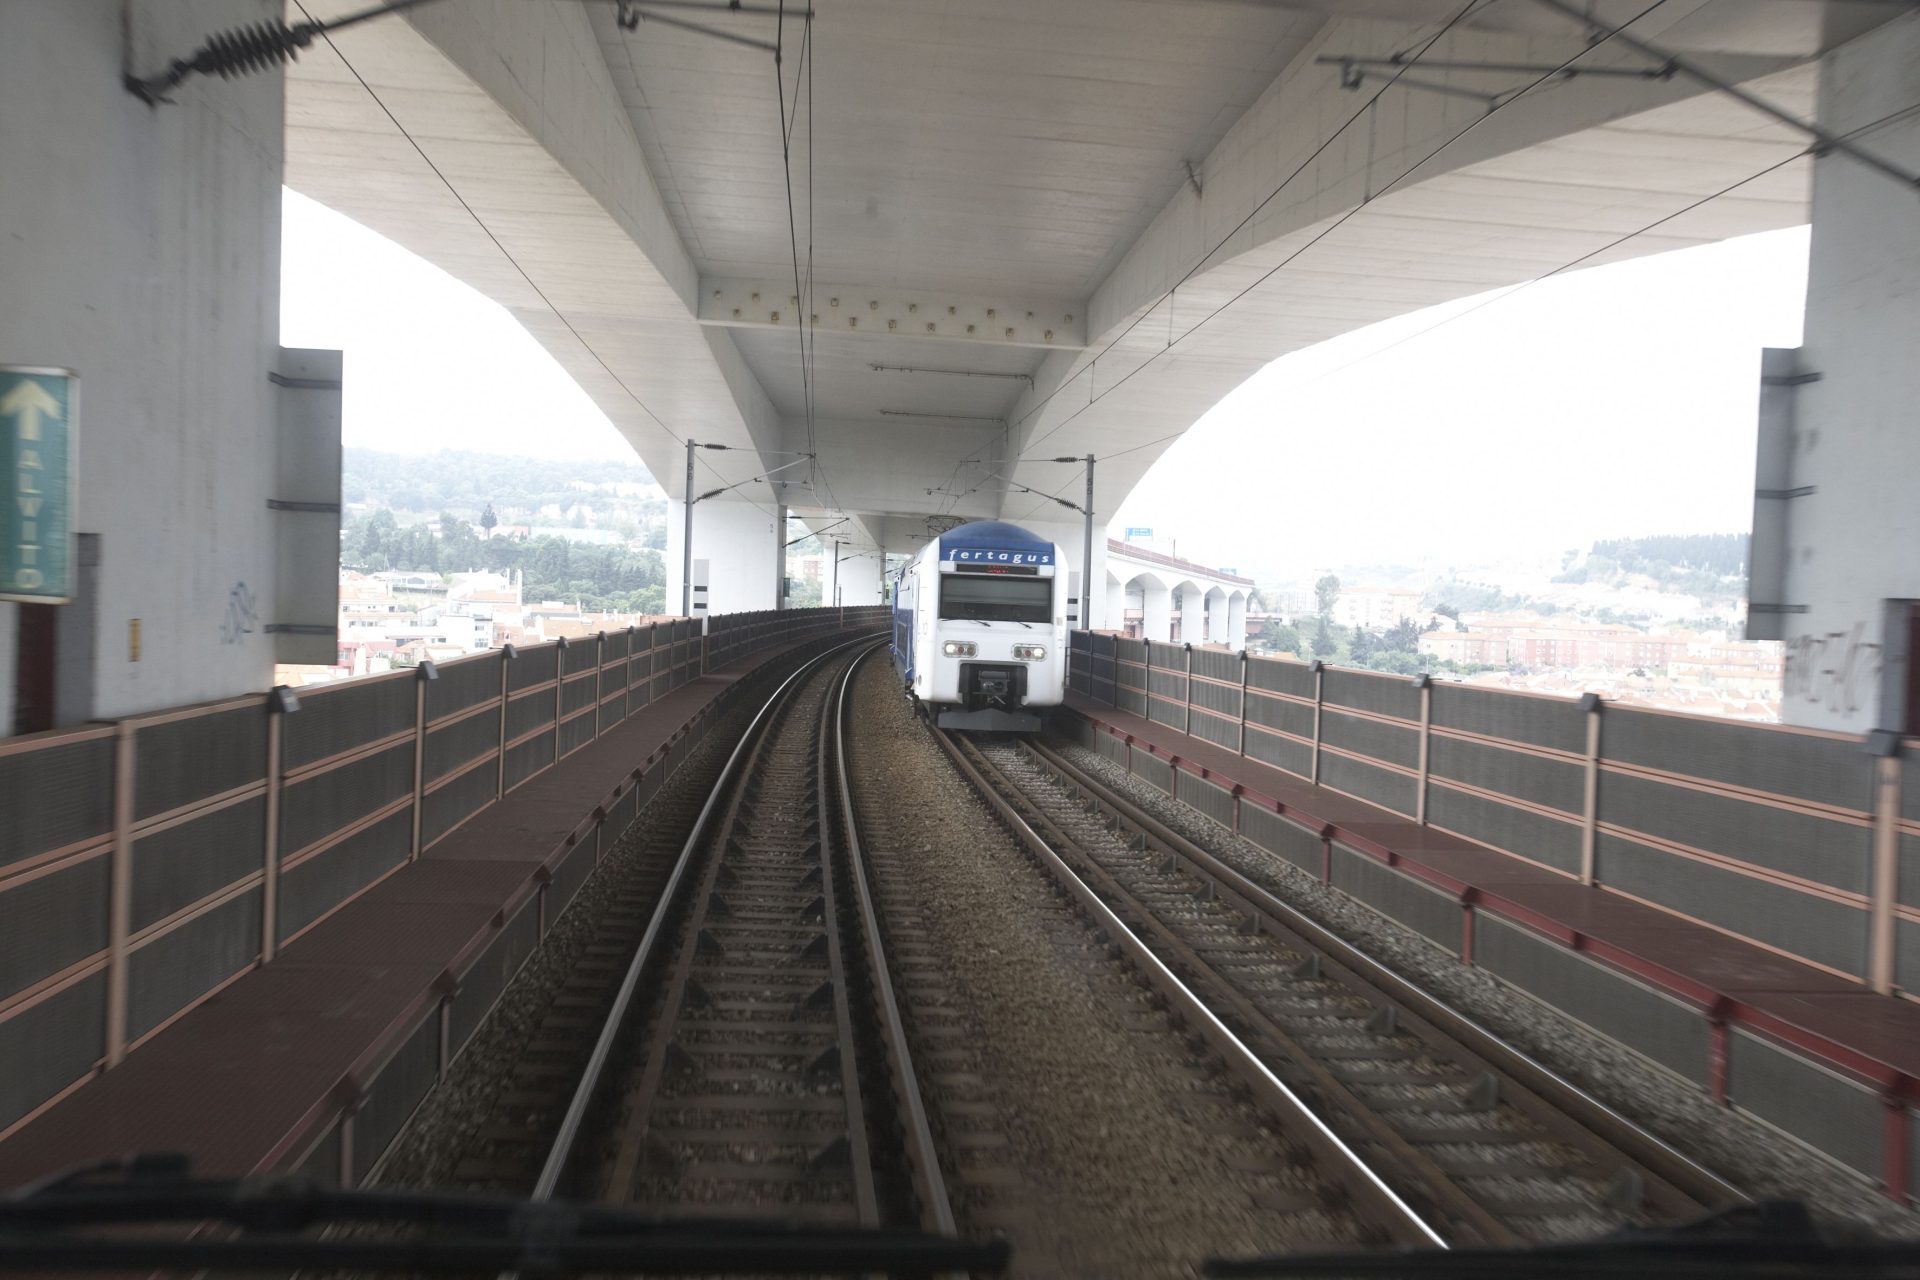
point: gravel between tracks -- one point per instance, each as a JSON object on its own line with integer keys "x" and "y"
{"x": 1132, "y": 1161}
{"x": 1739, "y": 1148}
{"x": 448, "y": 1125}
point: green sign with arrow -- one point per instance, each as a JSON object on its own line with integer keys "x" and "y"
{"x": 37, "y": 421}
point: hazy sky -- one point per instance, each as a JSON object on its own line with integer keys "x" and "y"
{"x": 1618, "y": 401}
{"x": 430, "y": 362}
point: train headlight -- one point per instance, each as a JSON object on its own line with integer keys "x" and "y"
{"x": 959, "y": 648}
{"x": 1030, "y": 652}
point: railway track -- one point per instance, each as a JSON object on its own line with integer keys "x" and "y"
{"x": 506, "y": 1152}
{"x": 1075, "y": 1110}
{"x": 766, "y": 1073}
{"x": 1441, "y": 1133}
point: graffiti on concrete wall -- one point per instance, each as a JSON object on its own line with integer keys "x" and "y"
{"x": 240, "y": 619}
{"x": 1839, "y": 670}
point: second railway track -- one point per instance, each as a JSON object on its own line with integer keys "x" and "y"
{"x": 1475, "y": 1141}
{"x": 763, "y": 1071}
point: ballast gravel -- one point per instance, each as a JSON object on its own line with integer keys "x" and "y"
{"x": 1742, "y": 1150}
{"x": 1126, "y": 1153}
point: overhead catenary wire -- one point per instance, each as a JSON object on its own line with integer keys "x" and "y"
{"x": 1570, "y": 265}
{"x": 805, "y": 331}
{"x": 813, "y": 328}
{"x": 1551, "y": 74}
{"x": 1412, "y": 59}
{"x": 1504, "y": 294}
{"x": 787, "y": 122}
{"x": 326, "y": 36}
{"x": 1349, "y": 215}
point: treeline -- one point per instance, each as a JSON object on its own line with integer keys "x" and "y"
{"x": 1453, "y": 597}
{"x": 1721, "y": 553}
{"x": 603, "y": 579}
{"x": 1395, "y": 650}
{"x": 1695, "y": 563}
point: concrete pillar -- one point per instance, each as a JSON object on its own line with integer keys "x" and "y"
{"x": 1071, "y": 536}
{"x": 1156, "y": 607}
{"x": 1116, "y": 615}
{"x": 175, "y": 450}
{"x": 1237, "y": 621}
{"x": 1193, "y": 614}
{"x": 739, "y": 544}
{"x": 1217, "y": 632}
{"x": 860, "y": 573}
{"x": 1852, "y": 523}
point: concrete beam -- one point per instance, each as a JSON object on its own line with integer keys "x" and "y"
{"x": 735, "y": 555}
{"x": 873, "y": 310}
{"x": 888, "y": 467}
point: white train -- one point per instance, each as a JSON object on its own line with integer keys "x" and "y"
{"x": 980, "y": 627}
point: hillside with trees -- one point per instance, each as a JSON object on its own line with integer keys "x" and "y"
{"x": 1703, "y": 564}
{"x": 419, "y": 512}
{"x": 613, "y": 579}
{"x": 552, "y": 492}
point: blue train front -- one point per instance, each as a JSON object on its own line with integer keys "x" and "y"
{"x": 980, "y": 627}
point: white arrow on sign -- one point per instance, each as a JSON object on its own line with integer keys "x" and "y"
{"x": 28, "y": 402}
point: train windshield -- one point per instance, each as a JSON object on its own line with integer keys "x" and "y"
{"x": 996, "y": 598}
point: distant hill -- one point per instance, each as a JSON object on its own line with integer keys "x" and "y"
{"x": 1720, "y": 553}
{"x": 425, "y": 484}
{"x": 1698, "y": 563}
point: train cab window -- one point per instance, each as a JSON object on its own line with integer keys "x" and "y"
{"x": 988, "y": 598}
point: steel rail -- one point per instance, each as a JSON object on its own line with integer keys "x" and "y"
{"x": 1536, "y": 1088}
{"x": 1441, "y": 1193}
{"x": 560, "y": 1154}
{"x": 860, "y": 1155}
{"x": 1343, "y": 1164}
{"x": 679, "y": 981}
{"x": 923, "y": 1156}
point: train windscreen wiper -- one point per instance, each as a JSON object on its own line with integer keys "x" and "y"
{"x": 1772, "y": 1238}
{"x": 77, "y": 1220}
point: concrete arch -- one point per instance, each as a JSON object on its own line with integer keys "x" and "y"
{"x": 1192, "y": 610}
{"x": 1153, "y": 597}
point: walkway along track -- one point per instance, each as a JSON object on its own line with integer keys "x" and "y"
{"x": 766, "y": 1073}
{"x": 1440, "y": 1131}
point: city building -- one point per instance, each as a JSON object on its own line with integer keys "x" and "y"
{"x": 1376, "y": 608}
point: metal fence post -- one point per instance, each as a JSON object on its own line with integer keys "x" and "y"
{"x": 500, "y": 764}
{"x": 120, "y": 893}
{"x": 1424, "y": 683}
{"x": 1186, "y": 724}
{"x": 1242, "y": 749}
{"x": 1319, "y": 698}
{"x": 626, "y": 676}
{"x": 599, "y": 675}
{"x": 280, "y": 702}
{"x": 423, "y": 674}
{"x": 1884, "y": 746}
{"x": 559, "y": 690}
{"x": 1590, "y": 820}
{"x": 1146, "y": 681}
